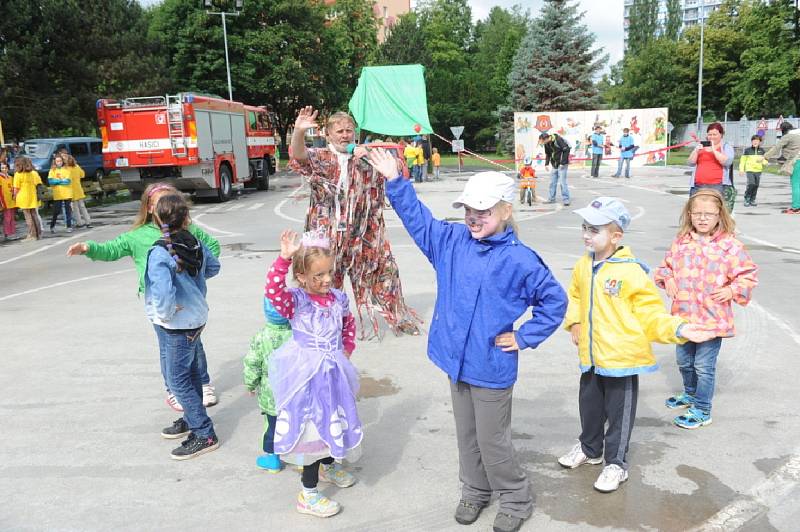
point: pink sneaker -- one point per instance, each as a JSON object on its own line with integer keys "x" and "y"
{"x": 173, "y": 403}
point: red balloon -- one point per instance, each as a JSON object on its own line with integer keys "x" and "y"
{"x": 417, "y": 128}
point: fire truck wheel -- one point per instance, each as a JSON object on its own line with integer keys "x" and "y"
{"x": 224, "y": 191}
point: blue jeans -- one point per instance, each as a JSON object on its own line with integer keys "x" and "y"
{"x": 416, "y": 173}
{"x": 627, "y": 163}
{"x": 556, "y": 175}
{"x": 597, "y": 158}
{"x": 698, "y": 366}
{"x": 202, "y": 362}
{"x": 183, "y": 377}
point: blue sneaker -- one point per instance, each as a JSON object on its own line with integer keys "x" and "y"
{"x": 682, "y": 400}
{"x": 269, "y": 462}
{"x": 693, "y": 419}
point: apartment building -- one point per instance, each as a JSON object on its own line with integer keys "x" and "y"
{"x": 690, "y": 11}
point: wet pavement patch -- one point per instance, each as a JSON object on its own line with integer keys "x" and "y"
{"x": 567, "y": 495}
{"x": 371, "y": 387}
{"x": 769, "y": 465}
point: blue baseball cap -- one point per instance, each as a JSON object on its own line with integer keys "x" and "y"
{"x": 604, "y": 210}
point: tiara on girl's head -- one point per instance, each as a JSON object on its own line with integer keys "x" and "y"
{"x": 315, "y": 239}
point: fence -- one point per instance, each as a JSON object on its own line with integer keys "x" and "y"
{"x": 737, "y": 133}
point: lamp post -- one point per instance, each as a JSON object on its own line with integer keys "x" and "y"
{"x": 700, "y": 70}
{"x": 238, "y": 4}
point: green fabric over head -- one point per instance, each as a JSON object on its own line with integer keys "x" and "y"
{"x": 391, "y": 100}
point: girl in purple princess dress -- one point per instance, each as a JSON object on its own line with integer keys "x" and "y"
{"x": 312, "y": 379}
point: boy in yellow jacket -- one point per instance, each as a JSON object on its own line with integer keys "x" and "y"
{"x": 752, "y": 163}
{"x": 614, "y": 313}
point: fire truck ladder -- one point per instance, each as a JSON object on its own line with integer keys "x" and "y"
{"x": 177, "y": 133}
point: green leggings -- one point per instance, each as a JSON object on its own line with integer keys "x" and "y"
{"x": 795, "y": 180}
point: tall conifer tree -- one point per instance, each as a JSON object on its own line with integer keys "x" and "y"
{"x": 554, "y": 67}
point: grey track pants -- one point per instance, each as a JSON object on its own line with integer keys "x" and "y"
{"x": 611, "y": 399}
{"x": 485, "y": 454}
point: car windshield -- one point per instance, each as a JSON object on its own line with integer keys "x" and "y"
{"x": 37, "y": 150}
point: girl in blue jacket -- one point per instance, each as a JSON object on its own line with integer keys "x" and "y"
{"x": 175, "y": 301}
{"x": 486, "y": 279}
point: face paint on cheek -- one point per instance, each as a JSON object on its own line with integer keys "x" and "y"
{"x": 596, "y": 241}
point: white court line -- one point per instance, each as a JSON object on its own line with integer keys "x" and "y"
{"x": 770, "y": 491}
{"x": 235, "y": 207}
{"x": 213, "y": 229}
{"x": 45, "y": 248}
{"x": 100, "y": 276}
{"x": 255, "y": 206}
{"x": 770, "y": 244}
{"x": 62, "y": 283}
{"x": 278, "y": 212}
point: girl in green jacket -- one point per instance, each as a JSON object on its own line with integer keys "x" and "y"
{"x": 136, "y": 244}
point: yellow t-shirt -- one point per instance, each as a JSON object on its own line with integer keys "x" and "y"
{"x": 76, "y": 174}
{"x": 410, "y": 153}
{"x": 60, "y": 192}
{"x": 26, "y": 183}
{"x": 437, "y": 159}
{"x": 420, "y": 156}
{"x": 6, "y": 183}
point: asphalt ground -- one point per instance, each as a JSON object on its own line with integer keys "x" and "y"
{"x": 83, "y": 404}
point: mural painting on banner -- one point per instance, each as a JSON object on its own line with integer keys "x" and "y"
{"x": 647, "y": 126}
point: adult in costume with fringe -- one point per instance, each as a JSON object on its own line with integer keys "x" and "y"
{"x": 347, "y": 201}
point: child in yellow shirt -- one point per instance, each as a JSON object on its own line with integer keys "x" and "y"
{"x": 60, "y": 182}
{"x": 437, "y": 162}
{"x": 26, "y": 179}
{"x": 78, "y": 204}
{"x": 8, "y": 203}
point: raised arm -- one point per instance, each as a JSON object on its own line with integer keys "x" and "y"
{"x": 275, "y": 289}
{"x": 428, "y": 233}
{"x": 306, "y": 119}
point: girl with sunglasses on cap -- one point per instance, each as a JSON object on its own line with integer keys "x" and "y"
{"x": 136, "y": 244}
{"x": 486, "y": 280}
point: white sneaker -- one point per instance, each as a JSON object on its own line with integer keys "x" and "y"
{"x": 209, "y": 398}
{"x": 575, "y": 457}
{"x": 610, "y": 479}
{"x": 173, "y": 403}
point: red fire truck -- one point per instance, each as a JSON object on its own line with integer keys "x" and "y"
{"x": 201, "y": 144}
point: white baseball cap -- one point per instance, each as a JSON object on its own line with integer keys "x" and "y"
{"x": 605, "y": 210}
{"x": 485, "y": 189}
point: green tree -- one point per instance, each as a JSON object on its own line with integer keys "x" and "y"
{"x": 404, "y": 43}
{"x": 59, "y": 57}
{"x": 283, "y": 53}
{"x": 354, "y": 31}
{"x": 674, "y": 20}
{"x": 553, "y": 68}
{"x": 643, "y": 24}
{"x": 446, "y": 27}
{"x": 662, "y": 74}
{"x": 555, "y": 63}
{"x": 770, "y": 63}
